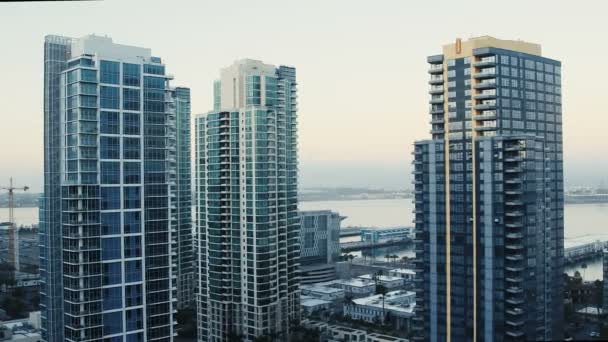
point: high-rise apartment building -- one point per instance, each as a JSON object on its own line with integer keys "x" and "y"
{"x": 185, "y": 245}
{"x": 247, "y": 209}
{"x": 112, "y": 193}
{"x": 489, "y": 196}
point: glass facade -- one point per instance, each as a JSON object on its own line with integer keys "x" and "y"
{"x": 247, "y": 217}
{"x": 185, "y": 244}
{"x": 489, "y": 198}
{"x": 112, "y": 181}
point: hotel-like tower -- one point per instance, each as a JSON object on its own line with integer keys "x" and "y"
{"x": 247, "y": 208}
{"x": 489, "y": 196}
{"x": 110, "y": 220}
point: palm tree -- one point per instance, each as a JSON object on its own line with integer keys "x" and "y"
{"x": 395, "y": 257}
{"x": 382, "y": 290}
{"x": 387, "y": 257}
{"x": 584, "y": 267}
{"x": 404, "y": 260}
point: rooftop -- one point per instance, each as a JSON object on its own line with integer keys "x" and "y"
{"x": 312, "y": 302}
{"x": 321, "y": 289}
{"x": 380, "y": 278}
{"x": 463, "y": 48}
{"x": 398, "y": 301}
{"x": 403, "y": 271}
{"x": 355, "y": 282}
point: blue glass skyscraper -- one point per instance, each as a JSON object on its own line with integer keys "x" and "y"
{"x": 489, "y": 196}
{"x": 247, "y": 216}
{"x": 109, "y": 237}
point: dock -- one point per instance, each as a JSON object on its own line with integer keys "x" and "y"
{"x": 359, "y": 245}
{"x": 584, "y": 251}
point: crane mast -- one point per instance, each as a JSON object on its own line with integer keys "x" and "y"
{"x": 13, "y": 243}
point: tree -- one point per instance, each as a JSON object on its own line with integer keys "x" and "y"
{"x": 387, "y": 257}
{"x": 395, "y": 257}
{"x": 382, "y": 291}
{"x": 404, "y": 260}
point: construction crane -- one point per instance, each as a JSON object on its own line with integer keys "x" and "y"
{"x": 13, "y": 244}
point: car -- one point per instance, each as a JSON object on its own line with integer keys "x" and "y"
{"x": 594, "y": 334}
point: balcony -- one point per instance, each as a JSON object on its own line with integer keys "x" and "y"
{"x": 514, "y": 170}
{"x": 437, "y": 131}
{"x": 515, "y": 280}
{"x": 514, "y": 203}
{"x": 515, "y": 257}
{"x": 485, "y": 73}
{"x": 515, "y": 312}
{"x": 485, "y": 95}
{"x": 436, "y": 99}
{"x": 436, "y": 90}
{"x": 515, "y": 290}
{"x": 436, "y": 69}
{"x": 484, "y": 117}
{"x": 514, "y": 247}
{"x": 485, "y": 85}
{"x": 514, "y": 225}
{"x": 515, "y": 323}
{"x": 486, "y": 105}
{"x": 515, "y": 333}
{"x": 437, "y": 120}
{"x": 515, "y": 236}
{"x": 486, "y": 62}
{"x": 513, "y": 159}
{"x": 436, "y": 79}
{"x": 485, "y": 128}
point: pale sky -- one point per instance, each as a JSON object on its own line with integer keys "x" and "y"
{"x": 361, "y": 69}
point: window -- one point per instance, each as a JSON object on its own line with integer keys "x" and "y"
{"x": 134, "y": 319}
{"x": 130, "y": 123}
{"x": 109, "y": 72}
{"x": 109, "y": 123}
{"x": 110, "y": 198}
{"x": 88, "y": 88}
{"x": 112, "y": 323}
{"x": 131, "y": 148}
{"x": 110, "y": 223}
{"x": 130, "y": 99}
{"x": 110, "y": 172}
{"x": 132, "y": 246}
{"x": 154, "y": 82}
{"x": 130, "y": 74}
{"x": 131, "y": 197}
{"x": 86, "y": 75}
{"x": 110, "y": 147}
{"x": 132, "y": 222}
{"x": 154, "y": 69}
{"x": 112, "y": 298}
{"x": 132, "y": 271}
{"x": 131, "y": 171}
{"x": 110, "y": 250}
{"x": 133, "y": 295}
{"x": 136, "y": 337}
{"x": 109, "y": 97}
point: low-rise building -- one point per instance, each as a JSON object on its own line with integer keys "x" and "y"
{"x": 373, "y": 337}
{"x": 339, "y": 333}
{"x": 21, "y": 330}
{"x": 312, "y": 305}
{"x": 354, "y": 287}
{"x": 390, "y": 282}
{"x": 398, "y": 308}
{"x": 404, "y": 273}
{"x": 322, "y": 292}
